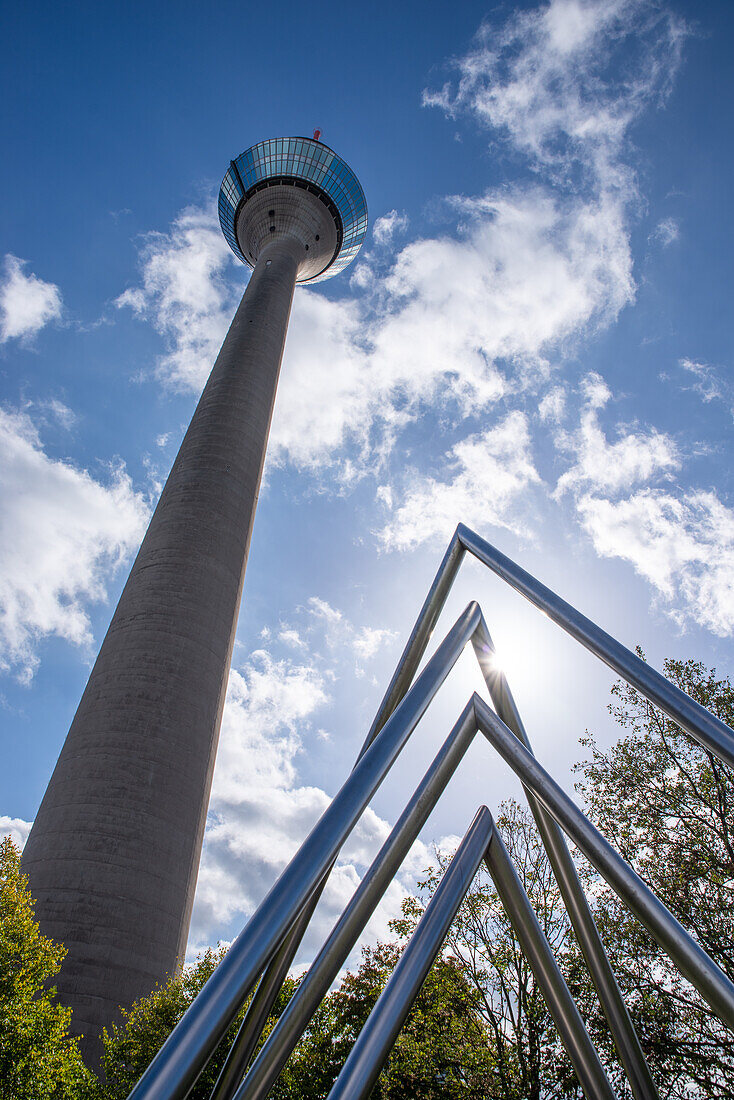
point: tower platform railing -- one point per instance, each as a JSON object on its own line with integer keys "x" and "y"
{"x": 260, "y": 957}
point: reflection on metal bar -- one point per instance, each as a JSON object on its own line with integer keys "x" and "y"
{"x": 196, "y": 1036}
{"x": 335, "y": 951}
{"x": 537, "y": 951}
{"x": 246, "y": 1039}
{"x": 690, "y": 959}
{"x": 621, "y": 1027}
{"x": 366, "y": 1058}
{"x": 267, "y": 991}
{"x": 708, "y": 730}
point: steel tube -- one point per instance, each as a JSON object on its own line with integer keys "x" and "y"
{"x": 190, "y": 1045}
{"x": 621, "y": 1027}
{"x": 246, "y": 1039}
{"x": 708, "y": 730}
{"x": 335, "y": 951}
{"x": 537, "y": 951}
{"x": 362, "y": 1067}
{"x": 691, "y": 960}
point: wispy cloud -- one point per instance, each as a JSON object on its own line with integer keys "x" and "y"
{"x": 633, "y": 458}
{"x": 552, "y": 82}
{"x": 487, "y": 474}
{"x": 682, "y": 544}
{"x": 62, "y": 535}
{"x": 666, "y": 232}
{"x": 707, "y": 382}
{"x": 260, "y": 812}
{"x": 27, "y": 303}
{"x": 185, "y": 293}
{"x": 389, "y": 226}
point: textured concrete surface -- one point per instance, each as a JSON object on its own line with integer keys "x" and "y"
{"x": 283, "y": 211}
{"x": 114, "y": 852}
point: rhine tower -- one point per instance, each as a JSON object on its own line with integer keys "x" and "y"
{"x": 113, "y": 854}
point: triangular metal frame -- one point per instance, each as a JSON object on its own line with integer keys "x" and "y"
{"x": 266, "y": 947}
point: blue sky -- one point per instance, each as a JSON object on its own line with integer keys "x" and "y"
{"x": 536, "y": 341}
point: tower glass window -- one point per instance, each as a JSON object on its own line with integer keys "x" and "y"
{"x": 300, "y": 161}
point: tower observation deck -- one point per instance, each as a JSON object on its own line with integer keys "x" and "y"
{"x": 113, "y": 854}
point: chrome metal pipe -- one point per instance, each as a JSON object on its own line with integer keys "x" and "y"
{"x": 708, "y": 730}
{"x": 369, "y": 1053}
{"x": 620, "y": 1024}
{"x": 252, "y": 1025}
{"x": 621, "y": 1027}
{"x": 246, "y": 1039}
{"x": 191, "y": 1043}
{"x": 690, "y": 959}
{"x": 334, "y": 953}
{"x": 556, "y": 994}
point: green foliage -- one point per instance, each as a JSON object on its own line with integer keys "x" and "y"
{"x": 666, "y": 804}
{"x": 130, "y": 1046}
{"x": 38, "y": 1059}
{"x": 526, "y": 1058}
{"x": 441, "y": 1051}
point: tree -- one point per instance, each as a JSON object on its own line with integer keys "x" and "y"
{"x": 527, "y": 1059}
{"x": 131, "y": 1045}
{"x": 38, "y": 1058}
{"x": 441, "y": 1051}
{"x": 666, "y": 805}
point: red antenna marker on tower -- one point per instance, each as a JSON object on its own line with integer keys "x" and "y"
{"x": 316, "y": 135}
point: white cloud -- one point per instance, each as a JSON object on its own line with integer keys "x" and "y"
{"x": 549, "y": 79}
{"x": 389, "y": 226}
{"x": 684, "y": 546}
{"x": 61, "y": 413}
{"x": 491, "y": 470}
{"x": 62, "y": 533}
{"x": 708, "y": 382}
{"x": 370, "y": 640}
{"x": 292, "y": 638}
{"x": 679, "y": 541}
{"x": 259, "y": 813}
{"x": 451, "y": 321}
{"x": 340, "y": 634}
{"x": 666, "y": 232}
{"x": 257, "y": 816}
{"x": 16, "y": 828}
{"x": 27, "y": 303}
{"x": 185, "y": 294}
{"x": 634, "y": 458}
{"x": 552, "y": 406}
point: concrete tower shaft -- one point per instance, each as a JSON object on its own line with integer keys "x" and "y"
{"x": 113, "y": 854}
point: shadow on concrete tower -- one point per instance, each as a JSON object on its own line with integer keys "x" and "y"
{"x": 113, "y": 855}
